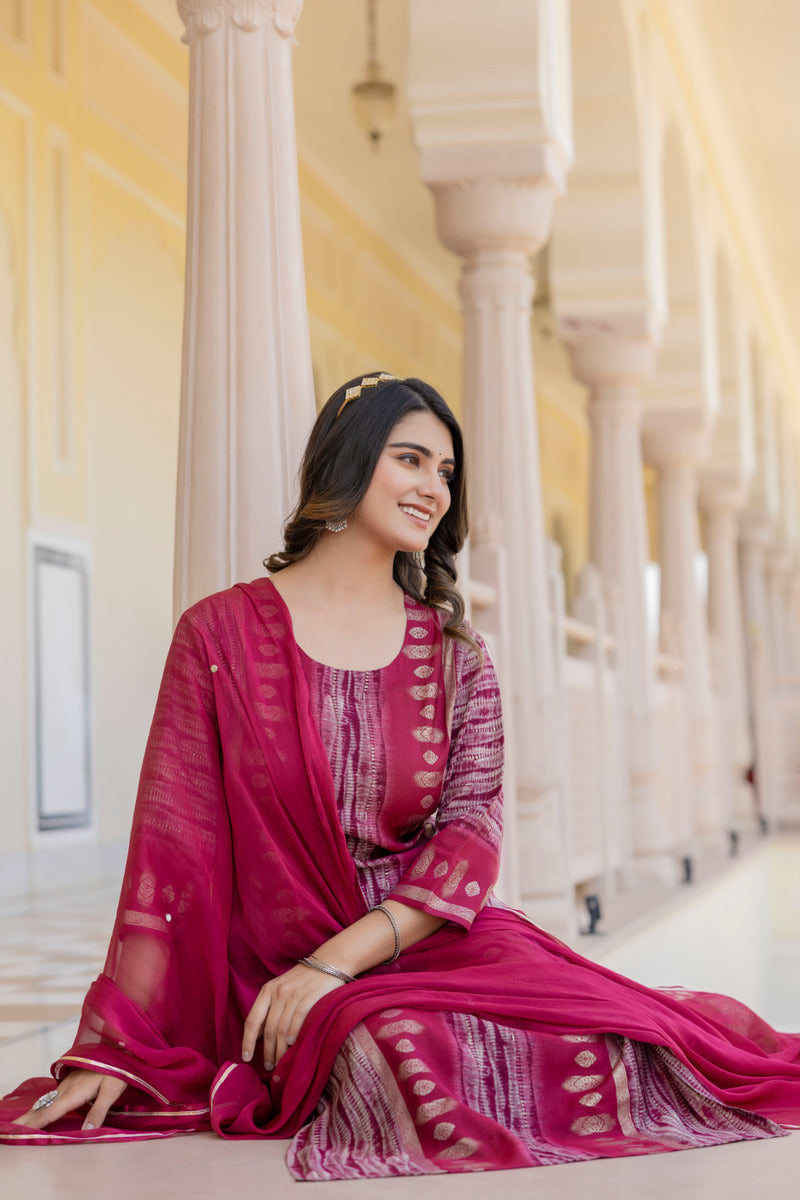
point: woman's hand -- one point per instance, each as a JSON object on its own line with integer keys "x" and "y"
{"x": 280, "y": 1009}
{"x": 76, "y": 1089}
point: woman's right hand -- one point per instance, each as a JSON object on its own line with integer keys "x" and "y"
{"x": 76, "y": 1089}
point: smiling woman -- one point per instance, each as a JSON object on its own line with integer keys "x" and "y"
{"x": 307, "y": 941}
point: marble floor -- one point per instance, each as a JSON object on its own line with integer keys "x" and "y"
{"x": 739, "y": 933}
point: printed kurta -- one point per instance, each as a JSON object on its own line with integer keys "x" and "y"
{"x": 412, "y": 1091}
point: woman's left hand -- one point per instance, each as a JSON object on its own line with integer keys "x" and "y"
{"x": 280, "y": 1009}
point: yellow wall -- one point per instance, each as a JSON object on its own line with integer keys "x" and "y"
{"x": 93, "y": 135}
{"x": 93, "y": 113}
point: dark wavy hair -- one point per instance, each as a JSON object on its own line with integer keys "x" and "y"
{"x": 340, "y": 458}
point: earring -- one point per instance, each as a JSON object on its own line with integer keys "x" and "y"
{"x": 336, "y": 526}
{"x": 419, "y": 559}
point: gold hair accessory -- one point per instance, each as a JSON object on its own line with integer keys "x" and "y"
{"x": 354, "y": 392}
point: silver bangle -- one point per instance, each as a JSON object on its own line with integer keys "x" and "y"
{"x": 398, "y": 945}
{"x": 318, "y": 965}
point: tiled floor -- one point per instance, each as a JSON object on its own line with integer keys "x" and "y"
{"x": 52, "y": 949}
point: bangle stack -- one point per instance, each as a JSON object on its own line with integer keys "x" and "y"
{"x": 387, "y": 912}
{"x": 318, "y": 965}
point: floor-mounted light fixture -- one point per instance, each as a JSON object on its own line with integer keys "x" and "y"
{"x": 374, "y": 98}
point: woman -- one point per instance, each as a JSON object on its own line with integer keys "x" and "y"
{"x": 307, "y": 944}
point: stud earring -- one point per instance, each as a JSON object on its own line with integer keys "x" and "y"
{"x": 336, "y": 526}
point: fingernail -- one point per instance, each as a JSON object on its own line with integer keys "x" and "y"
{"x": 246, "y": 1055}
{"x": 290, "y": 1041}
{"x": 270, "y": 1066}
{"x": 89, "y": 1125}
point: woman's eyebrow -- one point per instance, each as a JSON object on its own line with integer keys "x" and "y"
{"x": 420, "y": 450}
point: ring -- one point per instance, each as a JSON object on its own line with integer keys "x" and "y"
{"x": 44, "y": 1101}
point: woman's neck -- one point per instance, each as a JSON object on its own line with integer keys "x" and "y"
{"x": 339, "y": 577}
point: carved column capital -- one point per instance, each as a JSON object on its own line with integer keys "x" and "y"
{"x": 202, "y": 17}
{"x": 478, "y": 215}
{"x": 673, "y": 440}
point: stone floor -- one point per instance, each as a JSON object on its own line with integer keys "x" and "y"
{"x": 739, "y": 933}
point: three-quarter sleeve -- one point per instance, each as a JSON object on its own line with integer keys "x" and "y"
{"x": 456, "y": 871}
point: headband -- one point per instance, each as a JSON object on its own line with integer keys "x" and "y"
{"x": 353, "y": 393}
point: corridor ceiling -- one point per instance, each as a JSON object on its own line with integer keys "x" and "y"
{"x": 738, "y": 63}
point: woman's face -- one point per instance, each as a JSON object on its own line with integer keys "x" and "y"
{"x": 410, "y": 488}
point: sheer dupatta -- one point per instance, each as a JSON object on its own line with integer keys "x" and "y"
{"x": 238, "y": 866}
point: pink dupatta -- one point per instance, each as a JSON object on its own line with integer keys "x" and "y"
{"x": 238, "y": 866}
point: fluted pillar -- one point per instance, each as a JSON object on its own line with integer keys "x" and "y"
{"x": 778, "y": 579}
{"x": 247, "y": 398}
{"x": 676, "y": 446}
{"x": 754, "y": 540}
{"x": 721, "y": 507}
{"x": 794, "y": 618}
{"x": 494, "y": 225}
{"x": 493, "y": 134}
{"x": 612, "y": 366}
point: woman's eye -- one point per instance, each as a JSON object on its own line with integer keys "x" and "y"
{"x": 410, "y": 458}
{"x": 447, "y": 475}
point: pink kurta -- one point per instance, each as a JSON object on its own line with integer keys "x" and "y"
{"x": 279, "y": 800}
{"x": 414, "y": 1091}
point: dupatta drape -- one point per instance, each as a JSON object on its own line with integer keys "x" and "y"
{"x": 238, "y": 866}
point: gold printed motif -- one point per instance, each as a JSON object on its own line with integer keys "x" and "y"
{"x": 590, "y": 1099}
{"x": 424, "y": 673}
{"x": 419, "y": 651}
{"x": 423, "y": 1087}
{"x": 585, "y": 1058}
{"x": 426, "y": 801}
{"x": 412, "y": 1066}
{"x": 440, "y": 870}
{"x": 472, "y": 888}
{"x": 427, "y": 779}
{"x": 597, "y": 1123}
{"x": 428, "y": 712}
{"x": 434, "y": 1108}
{"x": 458, "y": 874}
{"x": 422, "y": 863}
{"x": 463, "y": 1148}
{"x": 430, "y": 757}
{"x": 395, "y": 1027}
{"x": 444, "y": 1130}
{"x": 418, "y": 632}
{"x": 582, "y": 1083}
{"x": 428, "y": 733}
{"x": 388, "y": 1013}
{"x": 426, "y": 691}
{"x": 404, "y": 1046}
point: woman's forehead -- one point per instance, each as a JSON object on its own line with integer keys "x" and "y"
{"x": 427, "y": 429}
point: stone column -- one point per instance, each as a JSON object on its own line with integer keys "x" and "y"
{"x": 754, "y": 539}
{"x": 488, "y": 89}
{"x": 495, "y": 225}
{"x": 794, "y": 618}
{"x": 676, "y": 447}
{"x": 778, "y": 578}
{"x": 613, "y": 366}
{"x": 247, "y": 396}
{"x": 721, "y": 507}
